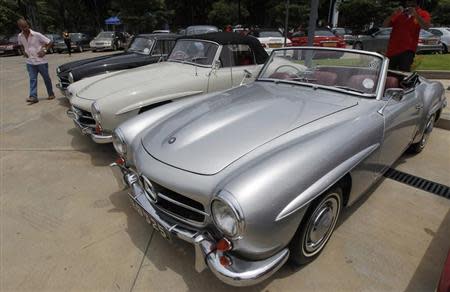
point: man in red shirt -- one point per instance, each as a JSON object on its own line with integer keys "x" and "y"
{"x": 406, "y": 24}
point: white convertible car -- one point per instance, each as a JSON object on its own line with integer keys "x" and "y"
{"x": 198, "y": 64}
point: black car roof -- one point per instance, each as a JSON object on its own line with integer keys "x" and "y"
{"x": 159, "y": 36}
{"x": 231, "y": 38}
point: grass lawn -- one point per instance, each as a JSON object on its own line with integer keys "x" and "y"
{"x": 432, "y": 62}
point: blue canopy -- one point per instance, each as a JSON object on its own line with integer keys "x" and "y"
{"x": 113, "y": 20}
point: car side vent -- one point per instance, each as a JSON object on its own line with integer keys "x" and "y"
{"x": 419, "y": 183}
{"x": 152, "y": 106}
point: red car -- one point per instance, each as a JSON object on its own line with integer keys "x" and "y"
{"x": 322, "y": 38}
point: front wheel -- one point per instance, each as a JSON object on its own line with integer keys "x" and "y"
{"x": 419, "y": 146}
{"x": 317, "y": 226}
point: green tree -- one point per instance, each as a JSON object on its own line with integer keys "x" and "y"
{"x": 360, "y": 13}
{"x": 8, "y": 16}
{"x": 223, "y": 12}
{"x": 441, "y": 14}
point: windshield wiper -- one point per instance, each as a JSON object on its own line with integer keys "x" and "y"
{"x": 349, "y": 88}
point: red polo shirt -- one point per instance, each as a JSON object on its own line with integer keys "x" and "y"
{"x": 405, "y": 32}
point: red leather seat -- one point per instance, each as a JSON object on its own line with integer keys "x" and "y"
{"x": 392, "y": 82}
{"x": 325, "y": 78}
{"x": 362, "y": 82}
{"x": 281, "y": 75}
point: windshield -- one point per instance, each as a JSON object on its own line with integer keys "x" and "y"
{"x": 141, "y": 45}
{"x": 105, "y": 35}
{"x": 426, "y": 34}
{"x": 75, "y": 36}
{"x": 340, "y": 31}
{"x": 266, "y": 34}
{"x": 323, "y": 33}
{"x": 192, "y": 30}
{"x": 194, "y": 51}
{"x": 336, "y": 69}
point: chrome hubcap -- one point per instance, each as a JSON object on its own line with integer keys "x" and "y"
{"x": 321, "y": 224}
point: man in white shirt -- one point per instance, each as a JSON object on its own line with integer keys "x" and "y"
{"x": 35, "y": 47}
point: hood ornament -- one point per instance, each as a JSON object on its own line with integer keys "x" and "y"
{"x": 172, "y": 140}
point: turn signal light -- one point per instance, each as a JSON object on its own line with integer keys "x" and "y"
{"x": 120, "y": 161}
{"x": 98, "y": 129}
{"x": 224, "y": 245}
{"x": 225, "y": 261}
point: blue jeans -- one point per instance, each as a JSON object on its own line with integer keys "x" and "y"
{"x": 33, "y": 71}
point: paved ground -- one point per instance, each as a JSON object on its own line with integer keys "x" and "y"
{"x": 66, "y": 226}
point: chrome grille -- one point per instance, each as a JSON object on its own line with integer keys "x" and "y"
{"x": 84, "y": 117}
{"x": 178, "y": 205}
{"x": 64, "y": 82}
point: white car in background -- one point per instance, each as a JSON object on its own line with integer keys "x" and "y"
{"x": 198, "y": 64}
{"x": 270, "y": 38}
{"x": 444, "y": 34}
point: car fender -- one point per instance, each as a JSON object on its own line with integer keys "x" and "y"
{"x": 324, "y": 183}
{"x": 433, "y": 97}
{"x": 140, "y": 104}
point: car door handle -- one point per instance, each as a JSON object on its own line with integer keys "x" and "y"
{"x": 419, "y": 106}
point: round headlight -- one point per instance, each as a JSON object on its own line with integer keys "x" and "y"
{"x": 119, "y": 142}
{"x": 96, "y": 112}
{"x": 70, "y": 77}
{"x": 226, "y": 218}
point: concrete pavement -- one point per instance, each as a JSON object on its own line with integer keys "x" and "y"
{"x": 66, "y": 226}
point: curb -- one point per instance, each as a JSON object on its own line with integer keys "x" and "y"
{"x": 434, "y": 74}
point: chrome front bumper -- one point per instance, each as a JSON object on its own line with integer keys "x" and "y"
{"x": 88, "y": 131}
{"x": 240, "y": 273}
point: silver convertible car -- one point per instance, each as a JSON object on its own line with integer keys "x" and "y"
{"x": 260, "y": 173}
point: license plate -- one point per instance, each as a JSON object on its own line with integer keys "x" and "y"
{"x": 329, "y": 44}
{"x": 274, "y": 45}
{"x": 150, "y": 220}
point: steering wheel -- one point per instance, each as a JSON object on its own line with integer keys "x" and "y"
{"x": 297, "y": 71}
{"x": 180, "y": 55}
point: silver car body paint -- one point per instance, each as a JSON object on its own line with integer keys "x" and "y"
{"x": 275, "y": 147}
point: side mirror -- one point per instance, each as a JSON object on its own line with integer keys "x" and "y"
{"x": 394, "y": 93}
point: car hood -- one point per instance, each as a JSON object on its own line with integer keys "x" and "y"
{"x": 135, "y": 81}
{"x": 94, "y": 61}
{"x": 208, "y": 136}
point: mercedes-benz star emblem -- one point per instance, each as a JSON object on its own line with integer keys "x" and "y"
{"x": 172, "y": 140}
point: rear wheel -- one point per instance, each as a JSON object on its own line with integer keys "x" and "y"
{"x": 317, "y": 226}
{"x": 419, "y": 146}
